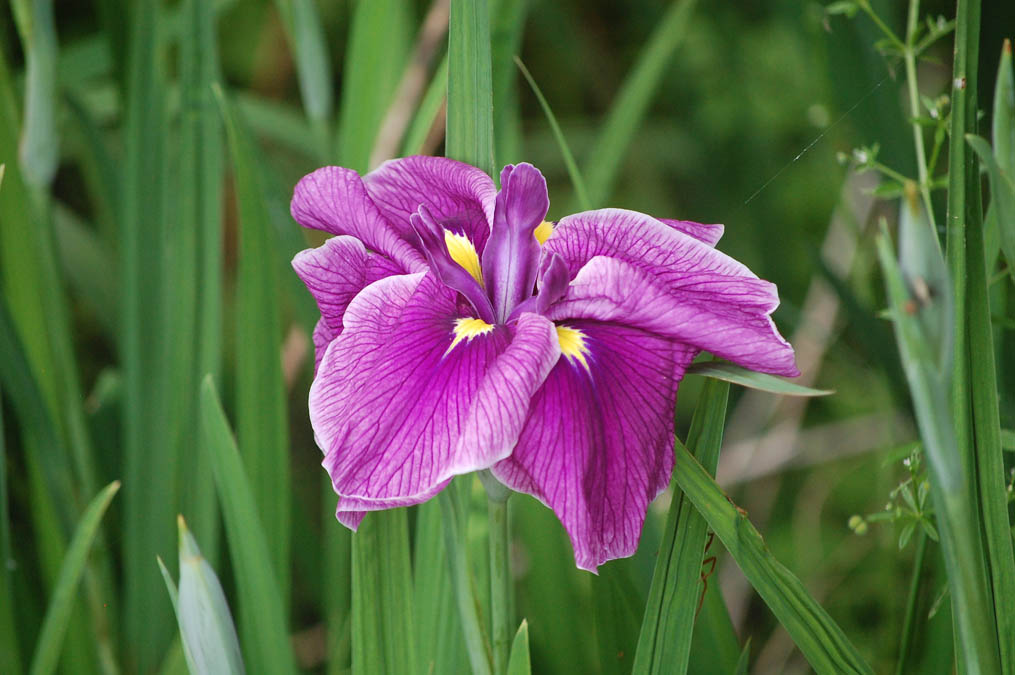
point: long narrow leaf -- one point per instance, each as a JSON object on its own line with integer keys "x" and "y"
{"x": 819, "y": 638}
{"x": 470, "y": 85}
{"x": 370, "y": 76}
{"x": 10, "y": 653}
{"x": 428, "y": 110}
{"x": 664, "y": 645}
{"x": 751, "y": 379}
{"x": 262, "y": 615}
{"x": 40, "y": 146}
{"x": 519, "y": 662}
{"x": 149, "y": 484}
{"x": 628, "y": 110}
{"x": 313, "y": 67}
{"x": 261, "y": 426}
{"x": 197, "y": 273}
{"x": 54, "y": 627}
{"x": 383, "y": 633}
{"x": 441, "y": 648}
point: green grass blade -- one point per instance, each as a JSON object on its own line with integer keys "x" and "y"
{"x": 150, "y": 455}
{"x": 383, "y": 633}
{"x": 632, "y": 101}
{"x": 1004, "y": 112}
{"x": 469, "y": 136}
{"x": 58, "y": 614}
{"x": 745, "y": 659}
{"x": 664, "y": 645}
{"x": 751, "y": 379}
{"x": 197, "y": 273}
{"x": 40, "y": 145}
{"x": 261, "y": 423}
{"x": 925, "y": 358}
{"x": 174, "y": 593}
{"x": 518, "y": 661}
{"x": 206, "y": 625}
{"x": 262, "y": 614}
{"x": 337, "y": 592}
{"x": 453, "y": 524}
{"x": 87, "y": 266}
{"x": 371, "y": 76}
{"x": 818, "y": 637}
{"x": 10, "y": 653}
{"x": 441, "y": 647}
{"x": 313, "y": 67}
{"x": 572, "y": 168}
{"x": 428, "y": 110}
{"x": 714, "y": 645}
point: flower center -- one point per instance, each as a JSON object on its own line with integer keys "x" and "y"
{"x": 464, "y": 253}
{"x": 572, "y": 345}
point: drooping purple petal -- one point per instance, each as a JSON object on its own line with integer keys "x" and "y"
{"x": 460, "y": 196}
{"x": 501, "y": 404}
{"x": 598, "y": 444}
{"x": 336, "y": 271}
{"x": 394, "y": 391}
{"x": 728, "y": 316}
{"x": 708, "y": 234}
{"x": 322, "y": 338}
{"x": 511, "y": 257}
{"x": 335, "y": 200}
{"x": 449, "y": 272}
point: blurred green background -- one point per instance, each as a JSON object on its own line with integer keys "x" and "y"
{"x": 745, "y": 127}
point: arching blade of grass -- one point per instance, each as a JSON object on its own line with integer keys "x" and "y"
{"x": 370, "y": 77}
{"x": 197, "y": 272}
{"x": 40, "y": 145}
{"x": 572, "y": 168}
{"x": 753, "y": 380}
{"x": 313, "y": 67}
{"x": 628, "y": 110}
{"x": 261, "y": 423}
{"x": 818, "y": 637}
{"x": 58, "y": 614}
{"x": 664, "y": 645}
{"x": 262, "y": 614}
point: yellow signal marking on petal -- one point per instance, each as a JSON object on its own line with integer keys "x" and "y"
{"x": 572, "y": 345}
{"x": 543, "y": 231}
{"x": 464, "y": 253}
{"x": 466, "y": 329}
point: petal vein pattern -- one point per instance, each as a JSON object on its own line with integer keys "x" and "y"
{"x": 390, "y": 400}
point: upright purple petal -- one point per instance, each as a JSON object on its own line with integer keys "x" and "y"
{"x": 708, "y": 234}
{"x": 336, "y": 271}
{"x": 334, "y": 199}
{"x": 396, "y": 389}
{"x": 511, "y": 257}
{"x": 726, "y": 315}
{"x": 598, "y": 444}
{"x": 449, "y": 272}
{"x": 460, "y": 196}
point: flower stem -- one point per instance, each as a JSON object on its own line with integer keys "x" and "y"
{"x": 465, "y": 591}
{"x": 914, "y": 592}
{"x": 909, "y": 56}
{"x": 500, "y": 581}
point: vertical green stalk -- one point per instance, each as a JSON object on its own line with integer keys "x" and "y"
{"x": 912, "y": 87}
{"x": 10, "y": 660}
{"x": 906, "y": 641}
{"x": 664, "y": 645}
{"x": 149, "y": 485}
{"x": 40, "y": 148}
{"x": 500, "y": 581}
{"x": 453, "y": 522}
{"x": 197, "y": 274}
{"x": 470, "y": 85}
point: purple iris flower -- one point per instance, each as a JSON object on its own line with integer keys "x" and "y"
{"x": 460, "y": 331}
